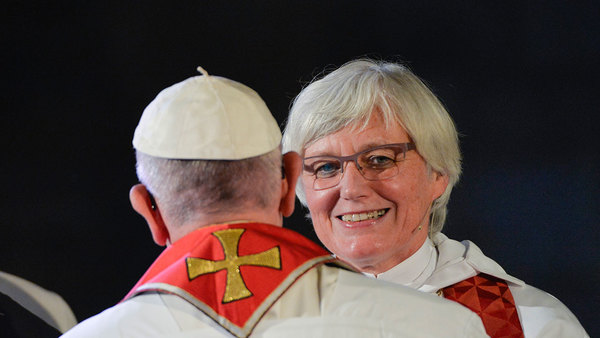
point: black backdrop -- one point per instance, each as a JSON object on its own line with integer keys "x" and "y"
{"x": 519, "y": 77}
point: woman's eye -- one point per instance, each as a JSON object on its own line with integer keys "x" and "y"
{"x": 380, "y": 161}
{"x": 326, "y": 169}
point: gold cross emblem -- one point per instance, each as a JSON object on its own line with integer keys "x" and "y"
{"x": 235, "y": 288}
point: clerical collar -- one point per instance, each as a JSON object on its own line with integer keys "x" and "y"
{"x": 414, "y": 270}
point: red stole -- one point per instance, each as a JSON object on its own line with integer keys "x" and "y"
{"x": 233, "y": 272}
{"x": 492, "y": 300}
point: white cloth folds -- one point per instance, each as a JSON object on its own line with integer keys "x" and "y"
{"x": 541, "y": 314}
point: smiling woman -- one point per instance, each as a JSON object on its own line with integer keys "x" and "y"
{"x": 387, "y": 221}
{"x": 399, "y": 203}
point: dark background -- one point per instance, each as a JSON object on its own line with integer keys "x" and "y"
{"x": 520, "y": 78}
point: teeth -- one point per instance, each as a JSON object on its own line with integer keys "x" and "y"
{"x": 363, "y": 216}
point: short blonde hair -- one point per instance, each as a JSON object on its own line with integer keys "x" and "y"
{"x": 349, "y": 95}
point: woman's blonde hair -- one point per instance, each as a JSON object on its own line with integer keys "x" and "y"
{"x": 349, "y": 95}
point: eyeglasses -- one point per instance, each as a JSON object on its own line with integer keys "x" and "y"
{"x": 374, "y": 164}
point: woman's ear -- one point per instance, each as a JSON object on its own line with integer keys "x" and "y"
{"x": 440, "y": 184}
{"x": 291, "y": 171}
{"x": 145, "y": 205}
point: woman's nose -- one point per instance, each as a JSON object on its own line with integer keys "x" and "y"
{"x": 352, "y": 184}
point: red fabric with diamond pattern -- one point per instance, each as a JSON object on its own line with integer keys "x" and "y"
{"x": 492, "y": 300}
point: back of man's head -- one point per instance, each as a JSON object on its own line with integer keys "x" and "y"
{"x": 208, "y": 145}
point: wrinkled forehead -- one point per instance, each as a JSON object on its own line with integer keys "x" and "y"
{"x": 374, "y": 118}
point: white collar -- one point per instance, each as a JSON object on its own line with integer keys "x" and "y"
{"x": 460, "y": 260}
{"x": 413, "y": 271}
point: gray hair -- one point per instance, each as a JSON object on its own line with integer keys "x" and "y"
{"x": 186, "y": 188}
{"x": 349, "y": 95}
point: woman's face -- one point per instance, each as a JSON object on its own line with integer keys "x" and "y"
{"x": 396, "y": 206}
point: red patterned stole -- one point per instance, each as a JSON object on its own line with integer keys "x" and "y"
{"x": 233, "y": 272}
{"x": 492, "y": 300}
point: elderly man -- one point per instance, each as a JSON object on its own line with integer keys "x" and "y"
{"x": 215, "y": 189}
{"x": 380, "y": 158}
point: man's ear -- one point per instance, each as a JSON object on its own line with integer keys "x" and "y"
{"x": 291, "y": 168}
{"x": 144, "y": 204}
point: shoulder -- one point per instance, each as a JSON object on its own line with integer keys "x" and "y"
{"x": 402, "y": 309}
{"x": 460, "y": 260}
{"x": 147, "y": 315}
{"x": 543, "y": 315}
{"x": 332, "y": 302}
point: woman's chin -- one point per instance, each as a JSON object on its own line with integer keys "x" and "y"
{"x": 364, "y": 259}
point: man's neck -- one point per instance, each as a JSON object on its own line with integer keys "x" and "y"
{"x": 258, "y": 216}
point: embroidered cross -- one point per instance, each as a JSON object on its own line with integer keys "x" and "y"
{"x": 235, "y": 288}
